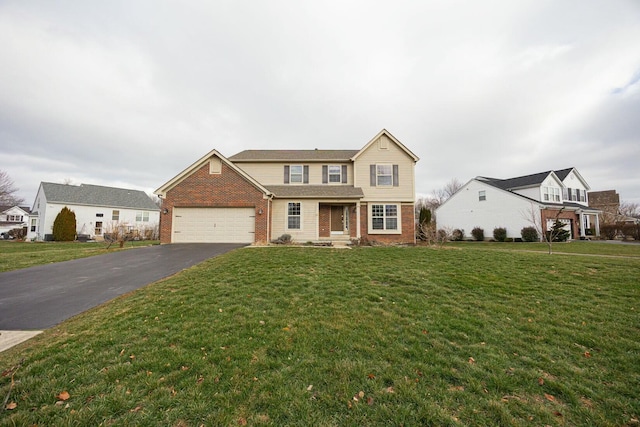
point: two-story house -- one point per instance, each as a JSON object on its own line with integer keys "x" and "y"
{"x": 256, "y": 196}
{"x": 520, "y": 202}
{"x": 14, "y": 217}
{"x": 98, "y": 209}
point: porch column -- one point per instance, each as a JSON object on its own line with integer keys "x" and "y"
{"x": 358, "y": 234}
{"x": 582, "y": 225}
{"x": 597, "y": 217}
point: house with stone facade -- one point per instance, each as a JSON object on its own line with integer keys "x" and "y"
{"x": 318, "y": 195}
{"x": 515, "y": 203}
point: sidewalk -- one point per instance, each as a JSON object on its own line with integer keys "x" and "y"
{"x": 10, "y": 338}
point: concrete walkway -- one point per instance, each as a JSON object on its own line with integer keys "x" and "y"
{"x": 10, "y": 338}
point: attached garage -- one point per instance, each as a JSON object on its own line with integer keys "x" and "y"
{"x": 213, "y": 225}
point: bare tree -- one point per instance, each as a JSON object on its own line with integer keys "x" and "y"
{"x": 439, "y": 196}
{"x": 629, "y": 209}
{"x": 534, "y": 217}
{"x": 8, "y": 191}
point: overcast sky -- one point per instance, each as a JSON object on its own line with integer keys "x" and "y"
{"x": 129, "y": 93}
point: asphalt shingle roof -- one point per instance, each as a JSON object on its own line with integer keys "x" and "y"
{"x": 294, "y": 155}
{"x": 316, "y": 191}
{"x": 96, "y": 195}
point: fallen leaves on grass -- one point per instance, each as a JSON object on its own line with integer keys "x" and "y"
{"x": 11, "y": 405}
{"x": 472, "y": 361}
{"x": 549, "y": 397}
{"x": 63, "y": 396}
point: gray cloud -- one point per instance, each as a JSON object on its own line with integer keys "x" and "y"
{"x": 129, "y": 94}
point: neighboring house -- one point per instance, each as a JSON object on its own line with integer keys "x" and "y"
{"x": 12, "y": 217}
{"x": 256, "y": 196}
{"x": 98, "y": 210}
{"x": 516, "y": 203}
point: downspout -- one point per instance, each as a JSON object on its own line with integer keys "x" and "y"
{"x": 269, "y": 205}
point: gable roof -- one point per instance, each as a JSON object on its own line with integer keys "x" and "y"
{"x": 162, "y": 191}
{"x": 530, "y": 180}
{"x": 25, "y": 209}
{"x": 293, "y": 155}
{"x": 96, "y": 195}
{"x": 393, "y": 139}
{"x": 518, "y": 182}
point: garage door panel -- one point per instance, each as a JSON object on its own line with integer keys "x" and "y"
{"x": 214, "y": 225}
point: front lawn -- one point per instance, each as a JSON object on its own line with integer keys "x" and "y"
{"x": 16, "y": 255}
{"x": 369, "y": 336}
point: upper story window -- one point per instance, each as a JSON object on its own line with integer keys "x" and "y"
{"x": 14, "y": 218}
{"x": 296, "y": 174}
{"x": 551, "y": 194}
{"x": 334, "y": 174}
{"x": 384, "y": 175}
{"x": 115, "y": 215}
{"x": 482, "y": 195}
{"x": 142, "y": 216}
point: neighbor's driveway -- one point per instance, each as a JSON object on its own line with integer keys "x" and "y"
{"x": 43, "y": 296}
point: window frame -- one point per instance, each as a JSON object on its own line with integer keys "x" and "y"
{"x": 115, "y": 215}
{"x": 142, "y": 216}
{"x": 289, "y": 215}
{"x": 334, "y": 174}
{"x": 482, "y": 195}
{"x": 292, "y": 174}
{"x": 380, "y": 175}
{"x": 385, "y": 212}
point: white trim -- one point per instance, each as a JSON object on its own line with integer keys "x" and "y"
{"x": 286, "y": 216}
{"x": 398, "y": 217}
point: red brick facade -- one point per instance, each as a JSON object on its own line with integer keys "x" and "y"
{"x": 408, "y": 226}
{"x": 226, "y": 189}
{"x": 550, "y": 214}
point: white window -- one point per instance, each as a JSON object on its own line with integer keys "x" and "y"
{"x": 115, "y": 215}
{"x": 293, "y": 216}
{"x": 295, "y": 173}
{"x": 384, "y": 175}
{"x": 34, "y": 223}
{"x": 384, "y": 217}
{"x": 14, "y": 218}
{"x": 335, "y": 173}
{"x": 482, "y": 195}
{"x": 551, "y": 194}
{"x": 142, "y": 216}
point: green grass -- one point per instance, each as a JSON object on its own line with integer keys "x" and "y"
{"x": 16, "y": 255}
{"x": 289, "y": 336}
{"x": 631, "y": 249}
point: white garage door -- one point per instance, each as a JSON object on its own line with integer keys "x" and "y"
{"x": 213, "y": 225}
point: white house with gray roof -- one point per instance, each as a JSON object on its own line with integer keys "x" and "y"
{"x": 98, "y": 210}
{"x": 515, "y": 203}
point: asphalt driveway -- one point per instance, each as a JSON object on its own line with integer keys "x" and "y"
{"x": 43, "y": 296}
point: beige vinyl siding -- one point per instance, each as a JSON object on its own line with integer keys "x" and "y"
{"x": 309, "y": 220}
{"x": 392, "y": 155}
{"x": 273, "y": 173}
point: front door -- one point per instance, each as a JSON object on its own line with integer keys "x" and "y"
{"x": 337, "y": 219}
